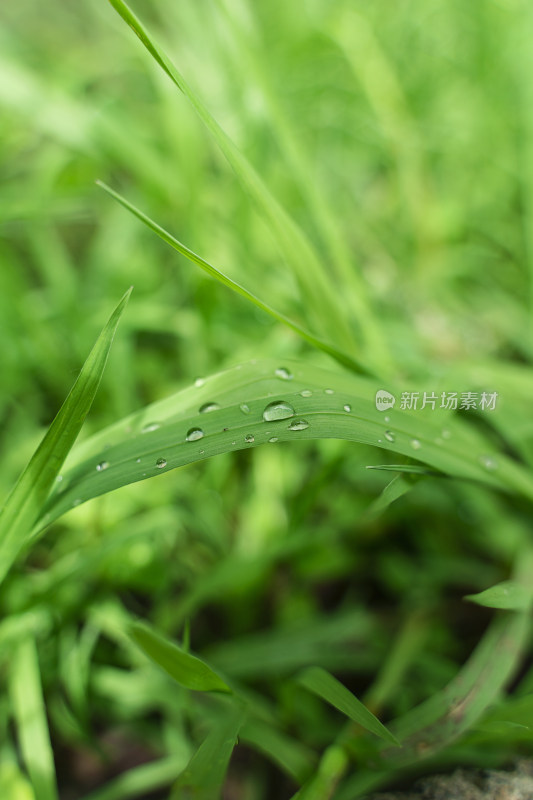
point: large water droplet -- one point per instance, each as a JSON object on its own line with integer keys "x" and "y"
{"x": 249, "y": 438}
{"x": 299, "y": 425}
{"x": 161, "y": 463}
{"x": 208, "y": 407}
{"x": 283, "y": 373}
{"x": 347, "y": 408}
{"x": 306, "y": 393}
{"x": 101, "y": 466}
{"x": 489, "y": 462}
{"x": 193, "y": 434}
{"x": 244, "y": 408}
{"x": 151, "y": 426}
{"x": 389, "y": 436}
{"x": 329, "y": 391}
{"x": 277, "y": 410}
{"x": 415, "y": 444}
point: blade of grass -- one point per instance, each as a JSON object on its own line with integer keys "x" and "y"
{"x": 25, "y": 502}
{"x": 186, "y": 669}
{"x": 341, "y": 406}
{"x": 328, "y": 688}
{"x": 296, "y": 248}
{"x": 30, "y": 718}
{"x": 141, "y": 781}
{"x": 203, "y": 777}
{"x": 508, "y": 595}
{"x": 339, "y": 355}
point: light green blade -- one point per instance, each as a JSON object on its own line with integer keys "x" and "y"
{"x": 30, "y": 718}
{"x": 25, "y": 502}
{"x": 230, "y": 411}
{"x": 339, "y": 355}
{"x": 300, "y": 255}
{"x": 186, "y": 669}
{"x": 324, "y": 685}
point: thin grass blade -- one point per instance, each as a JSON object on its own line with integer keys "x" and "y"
{"x": 30, "y": 719}
{"x": 25, "y": 502}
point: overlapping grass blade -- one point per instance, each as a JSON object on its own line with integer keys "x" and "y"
{"x": 30, "y": 718}
{"x": 296, "y": 248}
{"x": 141, "y": 781}
{"x": 324, "y": 405}
{"x": 203, "y": 777}
{"x": 186, "y": 669}
{"x": 25, "y": 502}
{"x": 337, "y": 354}
{"x": 324, "y": 685}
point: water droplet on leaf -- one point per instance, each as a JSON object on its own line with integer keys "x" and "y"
{"x": 151, "y": 426}
{"x": 347, "y": 408}
{"x": 208, "y": 407}
{"x": 329, "y": 391}
{"x": 160, "y": 463}
{"x": 299, "y": 425}
{"x": 101, "y": 466}
{"x": 277, "y": 410}
{"x": 389, "y": 436}
{"x": 199, "y": 382}
{"x": 273, "y": 439}
{"x": 249, "y": 438}
{"x": 415, "y": 444}
{"x": 489, "y": 462}
{"x": 244, "y": 408}
{"x": 193, "y": 434}
{"x": 306, "y": 393}
{"x": 283, "y": 373}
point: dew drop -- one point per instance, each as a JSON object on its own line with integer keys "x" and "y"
{"x": 446, "y": 434}
{"x": 101, "y": 466}
{"x": 284, "y": 374}
{"x": 347, "y": 408}
{"x": 306, "y": 393}
{"x": 249, "y": 438}
{"x": 138, "y": 461}
{"x": 199, "y": 382}
{"x": 193, "y": 434}
{"x": 329, "y": 391}
{"x": 160, "y": 463}
{"x": 299, "y": 425}
{"x": 59, "y": 478}
{"x": 244, "y": 408}
{"x": 273, "y": 439}
{"x": 488, "y": 462}
{"x": 277, "y": 410}
{"x": 390, "y": 437}
{"x": 415, "y": 444}
{"x": 208, "y": 407}
{"x": 152, "y": 426}
{"x": 387, "y": 419}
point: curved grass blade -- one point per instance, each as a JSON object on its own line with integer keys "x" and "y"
{"x": 204, "y": 776}
{"x": 26, "y": 500}
{"x": 321, "y": 404}
{"x": 141, "y": 781}
{"x": 296, "y": 248}
{"x": 30, "y": 717}
{"x": 186, "y": 669}
{"x": 325, "y": 686}
{"x": 310, "y": 338}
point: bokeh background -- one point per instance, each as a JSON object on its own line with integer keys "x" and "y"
{"x": 409, "y": 126}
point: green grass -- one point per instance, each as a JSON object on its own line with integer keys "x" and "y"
{"x": 320, "y": 601}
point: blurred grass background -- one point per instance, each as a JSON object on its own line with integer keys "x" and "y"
{"x": 412, "y": 124}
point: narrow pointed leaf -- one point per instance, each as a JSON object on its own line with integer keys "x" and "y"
{"x": 203, "y": 778}
{"x": 508, "y": 595}
{"x": 25, "y": 502}
{"x": 324, "y": 685}
{"x": 186, "y": 669}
